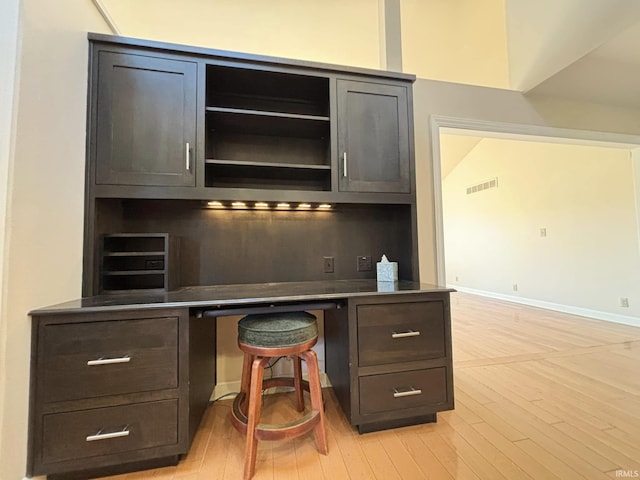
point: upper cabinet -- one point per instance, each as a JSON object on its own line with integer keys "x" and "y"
{"x": 145, "y": 120}
{"x": 221, "y": 125}
{"x": 373, "y": 137}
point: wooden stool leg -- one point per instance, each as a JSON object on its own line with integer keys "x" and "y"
{"x": 246, "y": 377}
{"x": 297, "y": 381}
{"x": 315, "y": 390}
{"x": 253, "y": 415}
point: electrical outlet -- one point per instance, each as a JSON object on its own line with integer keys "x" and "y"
{"x": 515, "y": 287}
{"x": 543, "y": 232}
{"x": 624, "y": 302}
{"x": 328, "y": 264}
{"x": 364, "y": 263}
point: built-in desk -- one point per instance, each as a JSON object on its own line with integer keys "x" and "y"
{"x": 122, "y": 381}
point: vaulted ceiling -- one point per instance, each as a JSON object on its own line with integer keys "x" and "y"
{"x": 584, "y": 50}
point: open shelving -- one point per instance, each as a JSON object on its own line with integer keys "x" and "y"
{"x": 267, "y": 130}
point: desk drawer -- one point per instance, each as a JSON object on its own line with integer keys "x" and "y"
{"x": 104, "y": 431}
{"x": 398, "y": 391}
{"x": 93, "y": 359}
{"x": 400, "y": 332}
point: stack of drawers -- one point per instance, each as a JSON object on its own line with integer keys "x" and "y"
{"x": 399, "y": 356}
{"x": 105, "y": 391}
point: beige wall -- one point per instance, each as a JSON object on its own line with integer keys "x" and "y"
{"x": 9, "y": 27}
{"x": 583, "y": 196}
{"x": 462, "y": 41}
{"x": 332, "y": 31}
{"x": 45, "y": 239}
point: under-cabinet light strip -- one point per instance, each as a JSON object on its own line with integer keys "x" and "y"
{"x": 240, "y": 205}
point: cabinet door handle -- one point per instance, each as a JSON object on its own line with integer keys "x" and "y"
{"x": 108, "y": 361}
{"x": 187, "y": 156}
{"x": 406, "y": 393}
{"x": 409, "y": 333}
{"x": 344, "y": 164}
{"x": 105, "y": 436}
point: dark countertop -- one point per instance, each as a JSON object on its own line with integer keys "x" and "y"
{"x": 228, "y": 296}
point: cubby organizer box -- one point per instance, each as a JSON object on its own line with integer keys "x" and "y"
{"x": 134, "y": 261}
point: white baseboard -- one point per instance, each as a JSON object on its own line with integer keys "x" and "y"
{"x": 583, "y": 312}
{"x": 231, "y": 389}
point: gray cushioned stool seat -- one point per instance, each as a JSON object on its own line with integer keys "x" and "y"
{"x": 282, "y": 329}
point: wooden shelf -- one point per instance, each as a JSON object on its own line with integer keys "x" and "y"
{"x": 266, "y": 123}
{"x": 134, "y": 272}
{"x": 134, "y": 254}
{"x": 265, "y": 113}
{"x": 299, "y": 166}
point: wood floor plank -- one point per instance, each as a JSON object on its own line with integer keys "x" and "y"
{"x": 448, "y": 456}
{"x": 499, "y": 466}
{"x": 578, "y": 456}
{"x": 381, "y": 464}
{"x": 527, "y": 463}
{"x": 430, "y": 467}
{"x": 490, "y": 416}
{"x": 618, "y": 453}
{"x": 549, "y": 459}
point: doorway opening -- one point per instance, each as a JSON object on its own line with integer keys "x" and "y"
{"x": 537, "y": 215}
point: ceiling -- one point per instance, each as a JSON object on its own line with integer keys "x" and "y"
{"x": 583, "y": 50}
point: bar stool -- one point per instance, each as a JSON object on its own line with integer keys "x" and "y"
{"x": 270, "y": 335}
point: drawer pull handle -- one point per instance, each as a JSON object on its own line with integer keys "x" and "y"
{"x": 410, "y": 333}
{"x": 109, "y": 361}
{"x": 344, "y": 164}
{"x": 406, "y": 393}
{"x": 105, "y": 436}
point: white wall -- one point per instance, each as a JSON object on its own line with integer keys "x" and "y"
{"x": 47, "y": 197}
{"x": 583, "y": 197}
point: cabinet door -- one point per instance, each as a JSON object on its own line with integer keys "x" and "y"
{"x": 146, "y": 120}
{"x": 373, "y": 137}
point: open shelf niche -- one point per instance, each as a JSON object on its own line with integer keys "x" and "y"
{"x": 267, "y": 130}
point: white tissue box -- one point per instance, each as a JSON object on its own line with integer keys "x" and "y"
{"x": 387, "y": 271}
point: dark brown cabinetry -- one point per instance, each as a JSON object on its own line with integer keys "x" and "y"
{"x": 117, "y": 388}
{"x": 172, "y": 127}
{"x": 373, "y": 137}
{"x": 120, "y": 383}
{"x": 399, "y": 355}
{"x": 145, "y": 120}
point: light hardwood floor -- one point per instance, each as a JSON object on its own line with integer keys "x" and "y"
{"x": 539, "y": 395}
